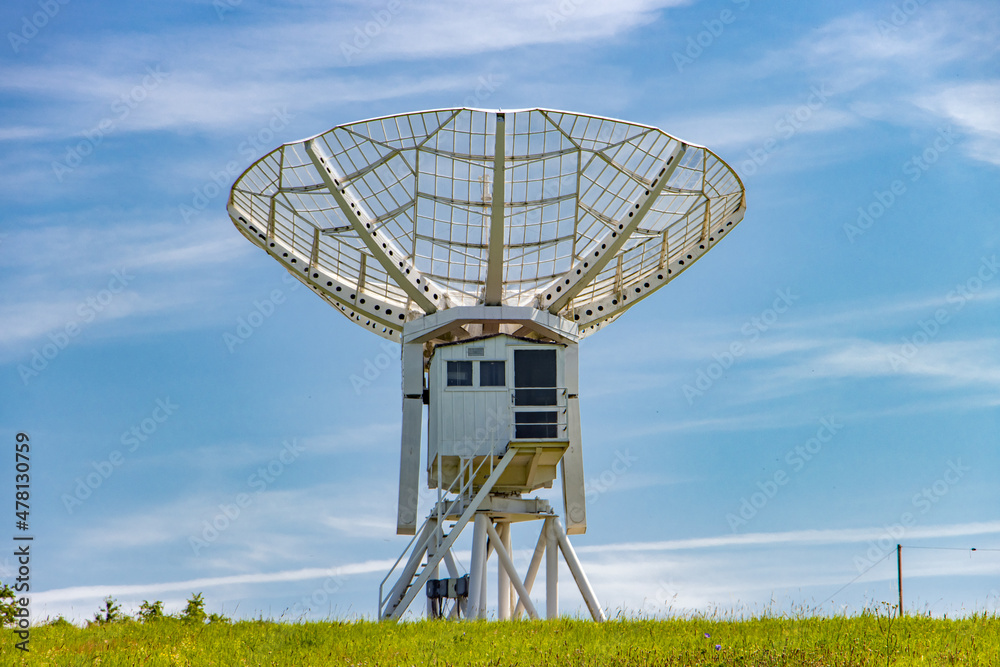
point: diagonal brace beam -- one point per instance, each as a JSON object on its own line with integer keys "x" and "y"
{"x": 427, "y": 296}
{"x": 508, "y": 564}
{"x": 567, "y": 286}
{"x": 456, "y": 530}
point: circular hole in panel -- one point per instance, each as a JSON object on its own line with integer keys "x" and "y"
{"x": 329, "y": 283}
{"x": 590, "y": 312}
{"x": 339, "y": 288}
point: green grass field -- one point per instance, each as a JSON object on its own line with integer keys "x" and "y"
{"x": 868, "y": 639}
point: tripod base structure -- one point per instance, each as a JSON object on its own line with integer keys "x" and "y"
{"x": 492, "y": 516}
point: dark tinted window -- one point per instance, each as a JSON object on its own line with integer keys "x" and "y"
{"x": 492, "y": 374}
{"x": 530, "y": 425}
{"x": 459, "y": 373}
{"x": 535, "y": 369}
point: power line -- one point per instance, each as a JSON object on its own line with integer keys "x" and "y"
{"x": 863, "y": 573}
{"x": 906, "y": 546}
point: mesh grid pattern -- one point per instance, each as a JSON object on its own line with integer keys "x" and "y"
{"x": 425, "y": 181}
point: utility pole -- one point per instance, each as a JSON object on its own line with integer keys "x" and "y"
{"x": 899, "y": 575}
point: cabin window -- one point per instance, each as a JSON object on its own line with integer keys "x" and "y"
{"x": 492, "y": 374}
{"x": 459, "y": 373}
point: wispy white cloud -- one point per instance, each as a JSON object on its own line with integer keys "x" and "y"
{"x": 973, "y": 107}
{"x": 315, "y": 66}
{"x": 97, "y": 275}
{"x": 817, "y": 537}
{"x": 302, "y": 574}
{"x": 693, "y": 575}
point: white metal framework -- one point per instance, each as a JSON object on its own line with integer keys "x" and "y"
{"x": 394, "y": 218}
{"x": 526, "y": 229}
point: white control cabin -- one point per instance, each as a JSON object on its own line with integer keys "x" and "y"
{"x": 489, "y": 393}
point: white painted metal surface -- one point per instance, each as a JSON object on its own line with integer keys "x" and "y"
{"x": 394, "y": 218}
{"x": 468, "y": 235}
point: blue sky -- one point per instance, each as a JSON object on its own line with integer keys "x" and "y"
{"x": 861, "y": 292}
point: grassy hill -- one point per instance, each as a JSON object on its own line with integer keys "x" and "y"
{"x": 869, "y": 639}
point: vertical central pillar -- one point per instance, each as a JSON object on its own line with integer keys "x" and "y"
{"x": 503, "y": 577}
{"x": 551, "y": 570}
{"x": 476, "y": 607}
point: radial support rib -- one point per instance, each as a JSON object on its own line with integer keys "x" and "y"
{"x": 567, "y": 286}
{"x": 494, "y": 267}
{"x": 426, "y": 295}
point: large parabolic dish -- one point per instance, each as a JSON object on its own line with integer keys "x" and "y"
{"x": 487, "y": 243}
{"x": 395, "y": 218}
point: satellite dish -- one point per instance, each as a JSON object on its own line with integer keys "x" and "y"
{"x": 488, "y": 244}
